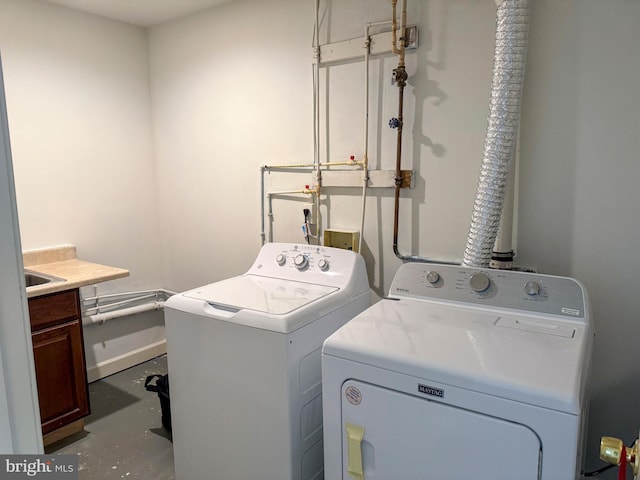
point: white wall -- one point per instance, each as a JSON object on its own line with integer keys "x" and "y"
{"x": 79, "y": 116}
{"x": 78, "y": 101}
{"x": 580, "y": 177}
{"x": 232, "y": 90}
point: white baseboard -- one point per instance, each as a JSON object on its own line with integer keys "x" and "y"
{"x": 129, "y": 359}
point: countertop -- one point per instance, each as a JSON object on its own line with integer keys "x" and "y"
{"x": 63, "y": 263}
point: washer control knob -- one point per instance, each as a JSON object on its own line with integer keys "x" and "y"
{"x": 479, "y": 282}
{"x": 433, "y": 277}
{"x": 301, "y": 262}
{"x": 323, "y": 264}
{"x": 281, "y": 259}
{"x": 532, "y": 288}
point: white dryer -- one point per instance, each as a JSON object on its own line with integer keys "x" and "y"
{"x": 460, "y": 373}
{"x": 244, "y": 363}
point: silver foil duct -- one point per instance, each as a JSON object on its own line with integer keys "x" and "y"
{"x": 512, "y": 32}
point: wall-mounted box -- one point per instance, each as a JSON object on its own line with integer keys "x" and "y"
{"x": 346, "y": 239}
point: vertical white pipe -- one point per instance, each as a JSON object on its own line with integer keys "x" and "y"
{"x": 316, "y": 90}
{"x": 262, "y": 232}
{"x": 504, "y": 247}
{"x": 365, "y": 159}
{"x": 316, "y": 86}
{"x": 505, "y": 230}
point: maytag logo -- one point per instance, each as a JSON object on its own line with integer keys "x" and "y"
{"x": 434, "y": 392}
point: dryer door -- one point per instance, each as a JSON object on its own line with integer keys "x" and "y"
{"x": 391, "y": 435}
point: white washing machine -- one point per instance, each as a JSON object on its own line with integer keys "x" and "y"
{"x": 244, "y": 363}
{"x": 460, "y": 373}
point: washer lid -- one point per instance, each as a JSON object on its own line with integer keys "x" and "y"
{"x": 531, "y": 359}
{"x": 261, "y": 294}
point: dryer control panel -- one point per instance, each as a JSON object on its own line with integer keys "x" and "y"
{"x": 522, "y": 291}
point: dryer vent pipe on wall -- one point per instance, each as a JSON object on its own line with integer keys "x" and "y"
{"x": 512, "y": 32}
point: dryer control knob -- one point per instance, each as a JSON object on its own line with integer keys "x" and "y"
{"x": 281, "y": 259}
{"x": 301, "y": 262}
{"x": 532, "y": 288}
{"x": 479, "y": 282}
{"x": 324, "y": 265}
{"x": 433, "y": 277}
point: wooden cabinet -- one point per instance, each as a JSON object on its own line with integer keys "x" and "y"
{"x": 58, "y": 351}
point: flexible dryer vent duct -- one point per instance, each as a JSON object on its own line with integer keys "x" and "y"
{"x": 504, "y": 116}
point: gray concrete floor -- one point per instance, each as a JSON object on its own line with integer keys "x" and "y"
{"x": 123, "y": 437}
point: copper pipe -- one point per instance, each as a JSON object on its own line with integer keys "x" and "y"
{"x": 400, "y": 75}
{"x": 398, "y": 172}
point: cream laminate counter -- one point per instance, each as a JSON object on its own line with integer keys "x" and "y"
{"x": 62, "y": 262}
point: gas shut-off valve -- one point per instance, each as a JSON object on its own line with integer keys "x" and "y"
{"x": 613, "y": 451}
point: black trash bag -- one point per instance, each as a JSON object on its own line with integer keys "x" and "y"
{"x": 161, "y": 386}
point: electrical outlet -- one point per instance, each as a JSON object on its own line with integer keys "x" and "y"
{"x": 411, "y": 37}
{"x": 312, "y": 211}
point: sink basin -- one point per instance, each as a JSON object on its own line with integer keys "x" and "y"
{"x": 33, "y": 279}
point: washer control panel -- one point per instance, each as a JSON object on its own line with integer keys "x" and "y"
{"x": 304, "y": 259}
{"x": 309, "y": 263}
{"x": 530, "y": 292}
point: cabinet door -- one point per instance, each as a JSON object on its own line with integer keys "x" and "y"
{"x": 60, "y": 371}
